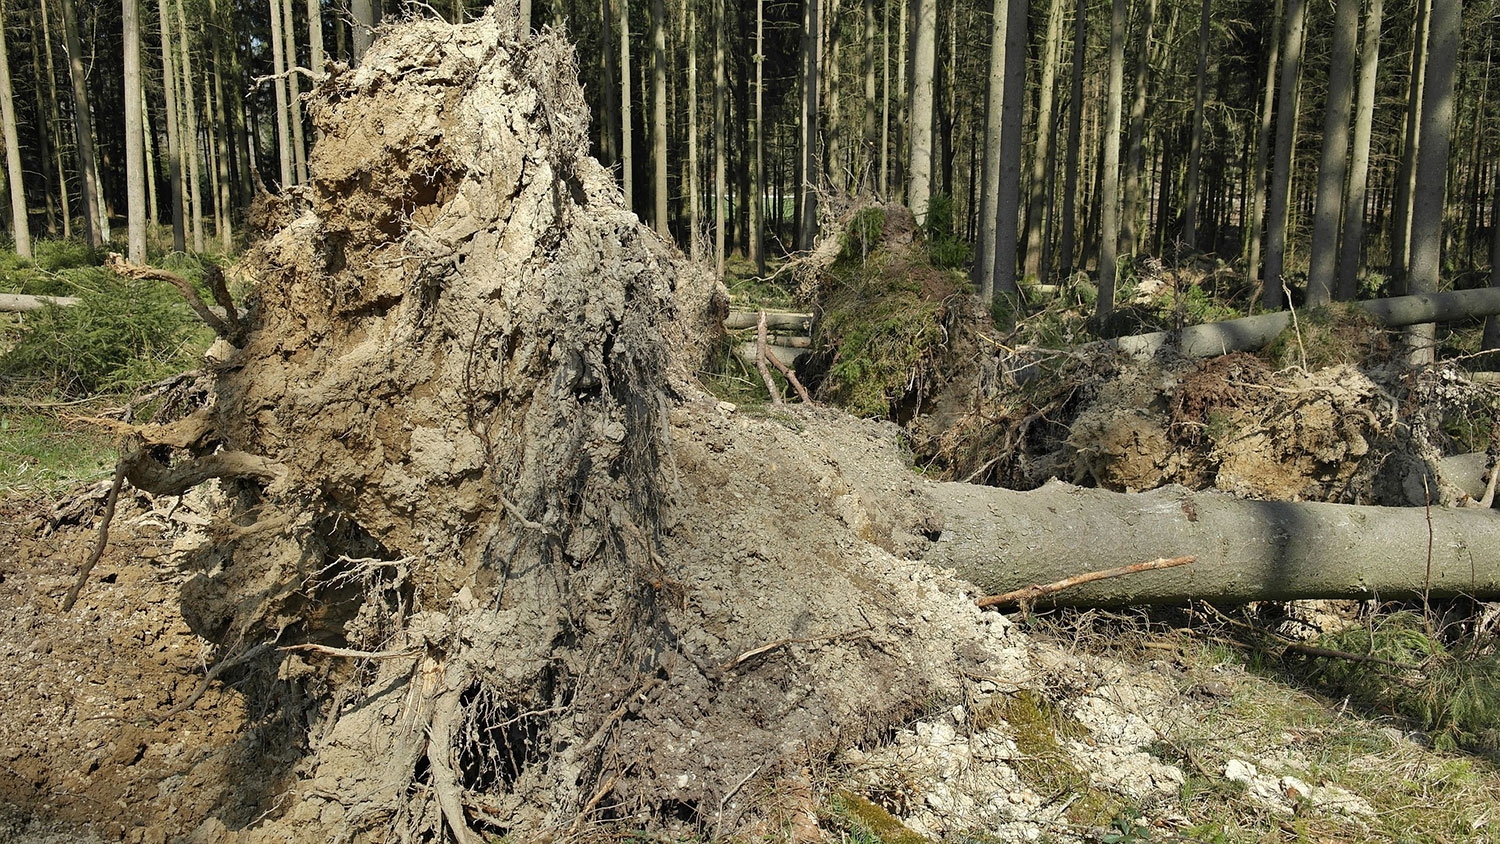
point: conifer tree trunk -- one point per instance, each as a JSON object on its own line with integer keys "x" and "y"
{"x": 83, "y": 128}
{"x": 1281, "y": 178}
{"x": 135, "y": 135}
{"x": 1359, "y": 161}
{"x": 1411, "y": 147}
{"x": 1255, "y": 225}
{"x": 190, "y": 136}
{"x": 223, "y": 204}
{"x": 721, "y": 185}
{"x": 278, "y": 65}
{"x": 983, "y": 273}
{"x": 173, "y": 125}
{"x": 1323, "y": 255}
{"x": 54, "y": 120}
{"x": 758, "y": 188}
{"x": 1067, "y": 244}
{"x": 366, "y": 15}
{"x": 315, "y": 36}
{"x": 1109, "y": 208}
{"x": 20, "y": 220}
{"x": 885, "y": 103}
{"x": 1195, "y": 146}
{"x": 294, "y": 92}
{"x": 1491, "y": 339}
{"x": 1041, "y": 156}
{"x": 627, "y": 159}
{"x": 871, "y": 135}
{"x": 659, "y": 115}
{"x": 1008, "y": 206}
{"x": 923, "y": 66}
{"x": 832, "y": 108}
{"x": 1432, "y": 164}
{"x": 1135, "y": 160}
{"x": 807, "y": 211}
{"x": 695, "y": 167}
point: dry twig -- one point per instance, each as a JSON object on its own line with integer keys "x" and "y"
{"x": 1031, "y": 593}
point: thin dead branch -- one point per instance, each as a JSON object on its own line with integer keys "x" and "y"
{"x": 761, "y": 354}
{"x": 101, "y": 540}
{"x": 791, "y": 377}
{"x": 1031, "y": 593}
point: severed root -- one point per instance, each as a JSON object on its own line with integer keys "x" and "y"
{"x": 228, "y": 326}
{"x": 101, "y": 541}
{"x": 445, "y": 785}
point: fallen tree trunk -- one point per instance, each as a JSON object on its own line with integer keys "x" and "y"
{"x": 1250, "y": 333}
{"x": 19, "y": 303}
{"x": 1247, "y": 550}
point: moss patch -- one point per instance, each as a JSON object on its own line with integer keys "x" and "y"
{"x": 869, "y": 821}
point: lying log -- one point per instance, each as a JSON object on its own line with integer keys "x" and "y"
{"x": 1246, "y": 550}
{"x": 785, "y": 353}
{"x": 775, "y": 321}
{"x": 1251, "y": 333}
{"x": 19, "y": 303}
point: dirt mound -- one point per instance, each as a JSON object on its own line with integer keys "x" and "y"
{"x": 492, "y": 561}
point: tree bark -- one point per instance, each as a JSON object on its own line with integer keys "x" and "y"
{"x": 20, "y": 221}
{"x": 83, "y": 128}
{"x": 1359, "y": 161}
{"x": 1432, "y": 164}
{"x": 1195, "y": 146}
{"x": 135, "y": 133}
{"x": 1324, "y": 253}
{"x": 1247, "y": 550}
{"x": 659, "y": 116}
{"x": 1405, "y": 181}
{"x": 294, "y": 96}
{"x": 807, "y": 211}
{"x": 1042, "y": 154}
{"x": 1109, "y": 211}
{"x": 721, "y": 141}
{"x": 1008, "y": 205}
{"x": 1130, "y": 206}
{"x": 1281, "y": 178}
{"x": 366, "y": 15}
{"x": 1067, "y": 245}
{"x": 758, "y": 182}
{"x": 54, "y": 120}
{"x": 695, "y": 168}
{"x": 983, "y": 273}
{"x": 924, "y": 62}
{"x": 190, "y": 136}
{"x": 278, "y": 67}
{"x": 627, "y": 159}
{"x": 173, "y": 124}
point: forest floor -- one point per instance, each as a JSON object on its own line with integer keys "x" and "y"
{"x": 1073, "y": 727}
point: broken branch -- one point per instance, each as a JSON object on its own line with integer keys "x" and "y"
{"x": 761, "y": 353}
{"x": 101, "y": 541}
{"x": 1031, "y": 593}
{"x": 118, "y": 264}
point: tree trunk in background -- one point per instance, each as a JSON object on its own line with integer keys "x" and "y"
{"x": 885, "y": 107}
{"x": 1046, "y": 119}
{"x": 1008, "y": 206}
{"x": 807, "y": 212}
{"x": 1281, "y": 178}
{"x": 870, "y": 136}
{"x": 1067, "y": 244}
{"x": 314, "y": 37}
{"x": 135, "y": 133}
{"x": 294, "y": 92}
{"x": 1432, "y": 165}
{"x": 627, "y": 160}
{"x": 1195, "y": 146}
{"x": 659, "y": 115}
{"x": 1359, "y": 161}
{"x": 222, "y": 135}
{"x": 924, "y": 61}
{"x": 721, "y": 141}
{"x": 983, "y": 273}
{"x": 1491, "y": 339}
{"x": 1109, "y": 178}
{"x": 278, "y": 66}
{"x": 1262, "y": 150}
{"x": 832, "y": 108}
{"x": 83, "y": 128}
{"x": 695, "y": 169}
{"x": 54, "y": 119}
{"x": 173, "y": 124}
{"x": 758, "y": 185}
{"x": 1135, "y": 160}
{"x": 19, "y": 219}
{"x": 1401, "y": 209}
{"x": 1333, "y": 166}
{"x": 366, "y": 15}
{"x": 190, "y": 137}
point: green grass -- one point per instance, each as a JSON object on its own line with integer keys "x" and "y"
{"x": 43, "y": 452}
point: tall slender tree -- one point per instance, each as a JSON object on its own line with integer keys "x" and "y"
{"x": 1263, "y": 145}
{"x": 1401, "y": 209}
{"x": 1041, "y": 154}
{"x": 1067, "y": 245}
{"x": 135, "y": 133}
{"x": 83, "y": 128}
{"x": 1195, "y": 145}
{"x": 1443, "y": 40}
{"x": 190, "y": 133}
{"x": 721, "y": 141}
{"x": 1359, "y": 160}
{"x": 1109, "y": 208}
{"x": 173, "y": 126}
{"x": 659, "y": 115}
{"x": 923, "y": 67}
{"x": 1333, "y": 167}
{"x": 807, "y": 211}
{"x": 1135, "y": 159}
{"x": 19, "y": 219}
{"x": 627, "y": 159}
{"x": 1281, "y": 174}
{"x": 1008, "y": 205}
